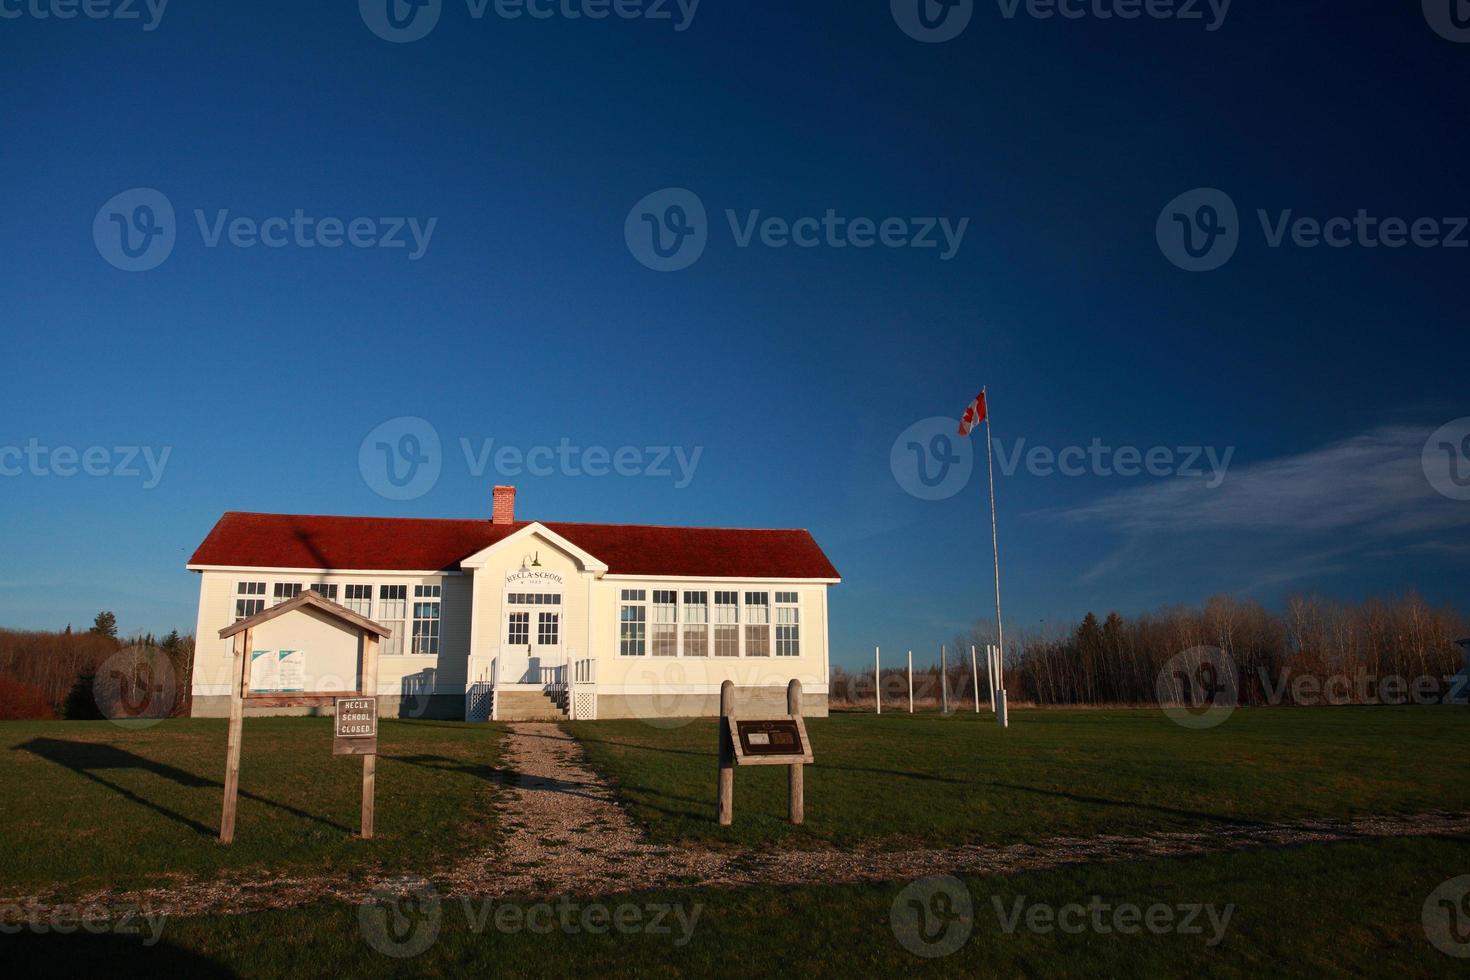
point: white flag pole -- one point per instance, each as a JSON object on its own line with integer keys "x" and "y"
{"x": 975, "y": 676}
{"x": 994, "y": 536}
{"x": 877, "y": 682}
{"x": 990, "y": 673}
{"x": 943, "y": 681}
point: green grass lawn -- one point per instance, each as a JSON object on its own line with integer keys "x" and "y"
{"x": 90, "y": 804}
{"x": 1326, "y": 909}
{"x": 948, "y": 780}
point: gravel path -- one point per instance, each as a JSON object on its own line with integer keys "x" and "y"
{"x": 563, "y": 831}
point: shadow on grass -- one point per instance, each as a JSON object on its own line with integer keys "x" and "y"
{"x": 674, "y": 805}
{"x": 1128, "y": 805}
{"x": 83, "y": 953}
{"x": 86, "y": 759}
{"x": 498, "y": 777}
{"x": 650, "y": 793}
{"x": 635, "y": 746}
{"x": 450, "y": 723}
{"x": 1053, "y": 793}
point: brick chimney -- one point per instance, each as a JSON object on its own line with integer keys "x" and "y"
{"x": 504, "y": 509}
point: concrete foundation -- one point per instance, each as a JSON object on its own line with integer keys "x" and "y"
{"x": 535, "y": 706}
{"x": 749, "y": 702}
{"x": 440, "y": 707}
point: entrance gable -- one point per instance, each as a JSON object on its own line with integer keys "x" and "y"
{"x": 532, "y": 544}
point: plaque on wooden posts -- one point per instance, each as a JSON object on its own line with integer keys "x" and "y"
{"x": 770, "y": 741}
{"x": 355, "y": 728}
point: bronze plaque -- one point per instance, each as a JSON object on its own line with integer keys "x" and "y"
{"x": 770, "y": 740}
{"x": 355, "y": 727}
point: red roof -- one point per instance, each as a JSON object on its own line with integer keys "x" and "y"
{"x": 418, "y": 544}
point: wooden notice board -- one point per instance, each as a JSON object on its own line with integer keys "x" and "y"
{"x": 355, "y": 730}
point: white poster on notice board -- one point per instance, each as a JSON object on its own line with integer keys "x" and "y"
{"x": 291, "y": 670}
{"x": 277, "y": 671}
{"x": 263, "y": 670}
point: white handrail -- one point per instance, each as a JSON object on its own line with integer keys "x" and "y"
{"x": 571, "y": 691}
{"x": 495, "y": 689}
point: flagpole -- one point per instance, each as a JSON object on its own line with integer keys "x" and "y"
{"x": 994, "y": 537}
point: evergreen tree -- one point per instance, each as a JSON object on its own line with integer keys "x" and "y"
{"x": 105, "y": 624}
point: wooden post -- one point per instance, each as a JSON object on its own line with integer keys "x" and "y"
{"x": 943, "y": 680}
{"x": 797, "y": 779}
{"x": 911, "y": 682}
{"x": 724, "y": 795}
{"x": 877, "y": 682}
{"x": 239, "y": 683}
{"x": 975, "y": 676}
{"x": 370, "y": 761}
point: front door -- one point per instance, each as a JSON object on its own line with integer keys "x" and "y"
{"x": 534, "y": 631}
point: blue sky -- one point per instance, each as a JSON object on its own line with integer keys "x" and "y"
{"x": 528, "y": 319}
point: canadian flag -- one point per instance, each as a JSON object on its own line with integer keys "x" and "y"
{"x": 974, "y": 415}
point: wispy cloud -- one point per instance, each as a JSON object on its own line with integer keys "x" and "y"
{"x": 1303, "y": 519}
{"x": 1373, "y": 483}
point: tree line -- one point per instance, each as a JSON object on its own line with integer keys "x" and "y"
{"x": 1312, "y": 651}
{"x": 50, "y": 674}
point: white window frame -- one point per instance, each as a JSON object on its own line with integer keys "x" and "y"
{"x": 757, "y": 616}
{"x": 548, "y": 628}
{"x": 249, "y": 599}
{"x": 518, "y": 628}
{"x": 726, "y": 615}
{"x": 427, "y": 629}
{"x": 663, "y": 620}
{"x": 388, "y": 593}
{"x": 633, "y": 632}
{"x": 362, "y": 605}
{"x": 787, "y": 616}
{"x": 695, "y": 616}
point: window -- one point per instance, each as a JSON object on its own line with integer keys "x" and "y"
{"x": 518, "y": 630}
{"x": 426, "y": 619}
{"x": 325, "y": 590}
{"x": 392, "y": 605}
{"x": 788, "y": 625}
{"x": 359, "y": 599}
{"x": 727, "y": 624}
{"x": 633, "y": 623}
{"x": 757, "y": 624}
{"x": 285, "y": 591}
{"x": 533, "y": 598}
{"x": 696, "y": 624}
{"x": 665, "y": 623}
{"x": 546, "y": 628}
{"x": 249, "y": 599}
